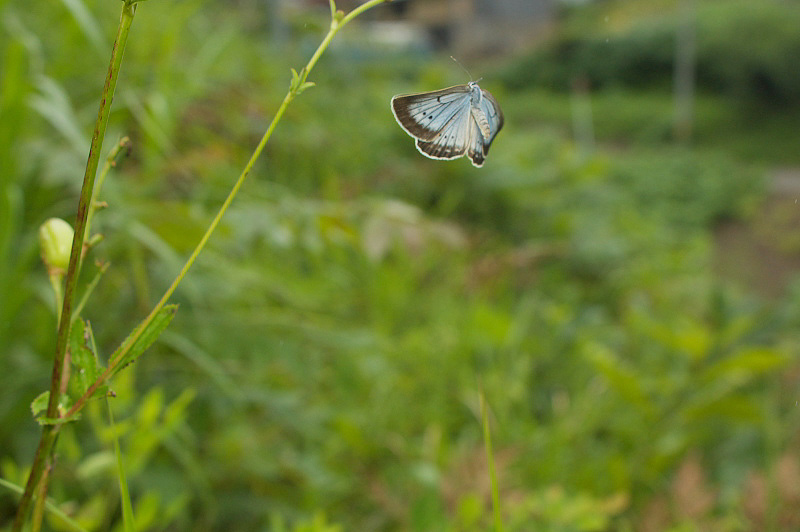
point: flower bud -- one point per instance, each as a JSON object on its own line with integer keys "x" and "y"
{"x": 55, "y": 242}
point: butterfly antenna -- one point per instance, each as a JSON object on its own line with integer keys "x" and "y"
{"x": 462, "y": 67}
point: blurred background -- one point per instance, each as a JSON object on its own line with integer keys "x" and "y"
{"x": 619, "y": 278}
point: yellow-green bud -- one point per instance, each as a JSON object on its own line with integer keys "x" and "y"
{"x": 55, "y": 241}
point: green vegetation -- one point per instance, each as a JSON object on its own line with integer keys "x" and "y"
{"x": 743, "y": 49}
{"x": 323, "y": 370}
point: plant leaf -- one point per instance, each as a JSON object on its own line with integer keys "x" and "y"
{"x": 621, "y": 378}
{"x": 145, "y": 340}
{"x": 39, "y": 405}
{"x": 304, "y": 86}
{"x": 84, "y": 360}
{"x": 43, "y": 420}
{"x": 87, "y": 23}
{"x": 298, "y": 83}
{"x": 55, "y": 511}
{"x": 747, "y": 364}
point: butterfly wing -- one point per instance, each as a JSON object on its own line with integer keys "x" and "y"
{"x": 486, "y": 122}
{"x": 477, "y": 147}
{"x": 493, "y": 113}
{"x": 452, "y": 140}
{"x": 425, "y": 115}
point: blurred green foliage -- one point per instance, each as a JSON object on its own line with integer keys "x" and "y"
{"x": 743, "y": 49}
{"x": 321, "y": 373}
{"x": 744, "y": 67}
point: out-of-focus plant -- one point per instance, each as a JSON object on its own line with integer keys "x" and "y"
{"x": 744, "y": 50}
{"x": 56, "y": 407}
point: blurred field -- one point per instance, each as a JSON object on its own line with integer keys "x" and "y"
{"x": 628, "y": 302}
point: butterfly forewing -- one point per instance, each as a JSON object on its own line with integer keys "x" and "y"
{"x": 424, "y": 115}
{"x": 451, "y": 140}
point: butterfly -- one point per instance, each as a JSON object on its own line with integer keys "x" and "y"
{"x": 451, "y": 122}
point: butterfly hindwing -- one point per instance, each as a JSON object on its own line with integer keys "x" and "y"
{"x": 494, "y": 114}
{"x": 478, "y": 146}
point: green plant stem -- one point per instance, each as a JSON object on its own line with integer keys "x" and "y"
{"x": 124, "y": 493}
{"x": 123, "y": 143}
{"x": 55, "y": 283}
{"x": 89, "y": 289}
{"x": 49, "y": 432}
{"x": 487, "y": 439}
{"x": 39, "y": 505}
{"x": 337, "y": 23}
{"x": 52, "y": 509}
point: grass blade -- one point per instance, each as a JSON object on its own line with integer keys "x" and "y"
{"x": 487, "y": 440}
{"x": 69, "y": 523}
{"x": 124, "y": 494}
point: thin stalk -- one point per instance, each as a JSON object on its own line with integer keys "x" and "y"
{"x": 55, "y": 284}
{"x": 111, "y": 161}
{"x": 89, "y": 289}
{"x": 487, "y": 439}
{"x": 49, "y": 432}
{"x": 41, "y": 499}
{"x": 52, "y": 509}
{"x": 337, "y": 23}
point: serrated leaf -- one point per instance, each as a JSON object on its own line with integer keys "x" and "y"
{"x": 39, "y": 405}
{"x": 84, "y": 360}
{"x": 151, "y": 333}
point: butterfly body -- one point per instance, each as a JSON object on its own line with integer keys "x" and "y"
{"x": 451, "y": 122}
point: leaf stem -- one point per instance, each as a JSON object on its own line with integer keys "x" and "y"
{"x": 49, "y": 431}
